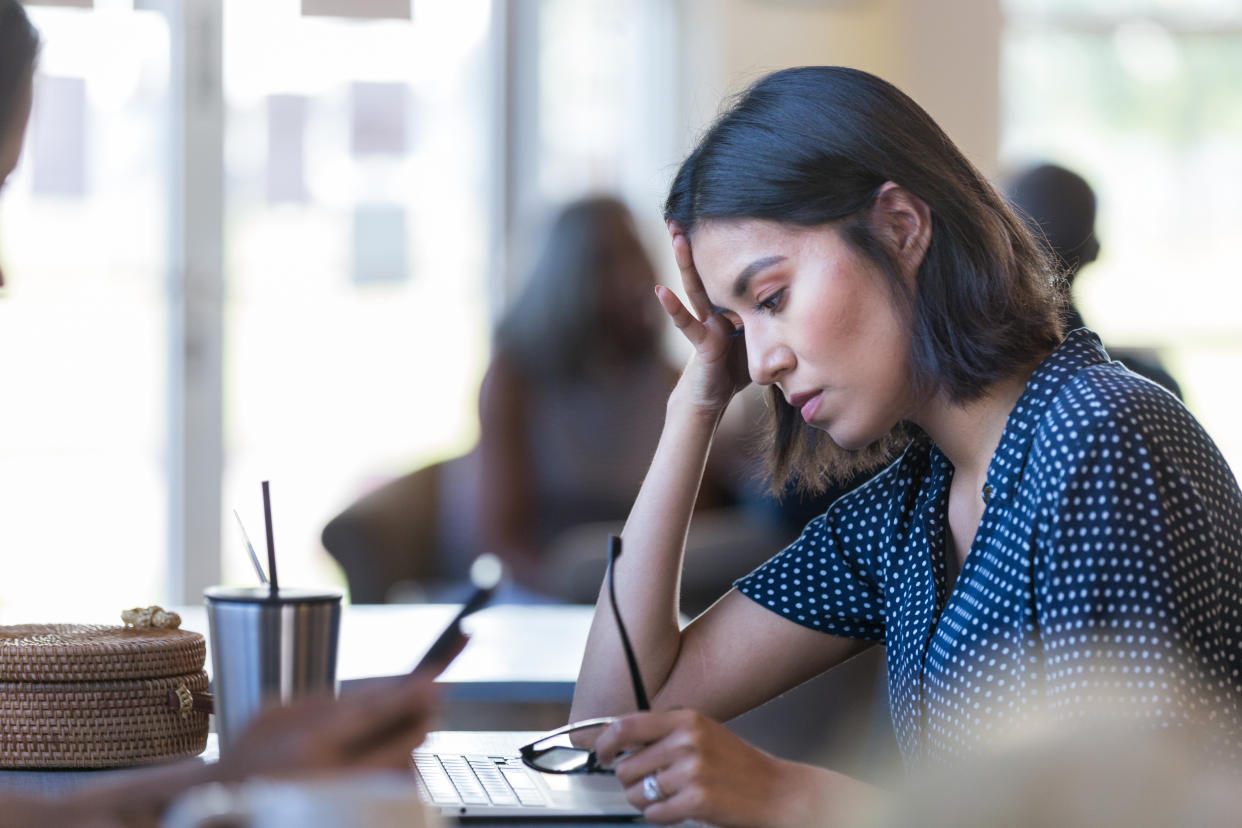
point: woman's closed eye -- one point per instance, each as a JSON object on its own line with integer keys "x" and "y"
{"x": 770, "y": 303}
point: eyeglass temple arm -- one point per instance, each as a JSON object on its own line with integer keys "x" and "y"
{"x": 640, "y": 694}
{"x": 602, "y": 721}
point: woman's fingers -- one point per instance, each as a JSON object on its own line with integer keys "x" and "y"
{"x": 666, "y": 747}
{"x": 682, "y": 796}
{"x": 638, "y": 732}
{"x": 676, "y": 808}
{"x": 693, "y": 330}
{"x": 690, "y": 280}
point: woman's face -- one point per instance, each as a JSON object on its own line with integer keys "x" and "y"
{"x": 819, "y": 323}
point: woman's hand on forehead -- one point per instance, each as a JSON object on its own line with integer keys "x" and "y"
{"x": 718, "y": 369}
{"x": 690, "y": 280}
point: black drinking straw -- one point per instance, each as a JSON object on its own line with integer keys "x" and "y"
{"x": 271, "y": 546}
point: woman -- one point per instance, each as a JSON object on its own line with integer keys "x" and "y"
{"x": 1057, "y": 535}
{"x": 373, "y": 729}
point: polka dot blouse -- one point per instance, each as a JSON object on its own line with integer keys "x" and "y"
{"x": 1105, "y": 573}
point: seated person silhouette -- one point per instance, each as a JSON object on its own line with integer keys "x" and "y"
{"x": 1060, "y": 206}
{"x": 570, "y": 411}
{"x": 573, "y": 399}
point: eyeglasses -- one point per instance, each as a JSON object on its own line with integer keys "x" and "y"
{"x": 570, "y": 749}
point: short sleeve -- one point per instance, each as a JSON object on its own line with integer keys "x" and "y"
{"x": 1136, "y": 581}
{"x": 823, "y": 580}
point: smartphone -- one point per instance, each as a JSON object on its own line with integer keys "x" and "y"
{"x": 485, "y": 573}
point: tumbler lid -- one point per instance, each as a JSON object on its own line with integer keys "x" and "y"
{"x": 264, "y": 595}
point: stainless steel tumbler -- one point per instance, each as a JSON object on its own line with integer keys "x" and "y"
{"x": 269, "y": 648}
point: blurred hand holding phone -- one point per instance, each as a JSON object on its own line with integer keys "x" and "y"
{"x": 485, "y": 574}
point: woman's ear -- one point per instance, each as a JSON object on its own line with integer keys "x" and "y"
{"x": 903, "y": 221}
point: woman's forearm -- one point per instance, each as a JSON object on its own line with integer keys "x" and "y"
{"x": 648, "y": 573}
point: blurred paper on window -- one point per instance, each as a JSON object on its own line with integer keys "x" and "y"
{"x": 379, "y": 244}
{"x": 58, "y": 137}
{"x": 378, "y": 118}
{"x": 396, "y": 9}
{"x": 286, "y": 156}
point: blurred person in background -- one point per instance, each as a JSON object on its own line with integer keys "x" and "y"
{"x": 570, "y": 407}
{"x": 1059, "y": 205}
{"x": 372, "y": 729}
{"x": 570, "y": 410}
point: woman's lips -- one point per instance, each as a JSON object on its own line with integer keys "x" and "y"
{"x": 808, "y": 402}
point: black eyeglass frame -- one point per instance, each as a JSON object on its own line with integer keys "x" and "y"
{"x": 530, "y": 753}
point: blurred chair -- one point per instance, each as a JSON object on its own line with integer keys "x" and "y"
{"x": 399, "y": 543}
{"x": 388, "y": 541}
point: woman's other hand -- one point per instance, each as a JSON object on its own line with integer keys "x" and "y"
{"x": 704, "y": 772}
{"x": 717, "y": 370}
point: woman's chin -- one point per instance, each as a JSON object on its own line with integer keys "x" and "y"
{"x": 853, "y": 439}
{"x": 848, "y": 441}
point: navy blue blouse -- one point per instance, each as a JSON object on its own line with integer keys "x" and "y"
{"x": 1106, "y": 572}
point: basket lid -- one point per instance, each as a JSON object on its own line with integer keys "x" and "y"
{"x": 93, "y": 652}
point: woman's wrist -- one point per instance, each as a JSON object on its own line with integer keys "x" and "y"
{"x": 816, "y": 796}
{"x": 682, "y": 402}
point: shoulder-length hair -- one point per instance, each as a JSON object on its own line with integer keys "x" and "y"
{"x": 19, "y": 46}
{"x": 810, "y": 147}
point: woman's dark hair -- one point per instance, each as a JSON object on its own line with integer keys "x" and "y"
{"x": 19, "y": 46}
{"x": 555, "y": 330}
{"x": 812, "y": 146}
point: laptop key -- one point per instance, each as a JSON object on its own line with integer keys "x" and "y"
{"x": 496, "y": 786}
{"x": 445, "y": 798}
{"x": 519, "y": 779}
{"x": 464, "y": 780}
{"x": 436, "y": 786}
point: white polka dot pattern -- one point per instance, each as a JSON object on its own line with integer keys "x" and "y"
{"x": 1106, "y": 572}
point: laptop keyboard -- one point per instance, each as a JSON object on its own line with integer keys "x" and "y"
{"x": 448, "y": 779}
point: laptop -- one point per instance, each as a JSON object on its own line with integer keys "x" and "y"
{"x": 479, "y": 775}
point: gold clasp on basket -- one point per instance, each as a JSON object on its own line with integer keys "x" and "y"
{"x": 152, "y": 616}
{"x": 183, "y": 701}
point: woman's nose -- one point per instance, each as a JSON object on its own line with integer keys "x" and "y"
{"x": 767, "y": 360}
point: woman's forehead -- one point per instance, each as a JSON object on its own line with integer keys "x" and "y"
{"x": 724, "y": 249}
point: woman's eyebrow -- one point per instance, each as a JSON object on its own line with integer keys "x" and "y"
{"x": 742, "y": 283}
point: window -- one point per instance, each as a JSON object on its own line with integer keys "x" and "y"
{"x": 594, "y": 102}
{"x": 256, "y": 241}
{"x": 357, "y": 247}
{"x": 1141, "y": 98}
{"x": 84, "y": 322}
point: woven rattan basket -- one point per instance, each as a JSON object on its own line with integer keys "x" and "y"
{"x": 86, "y": 696}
